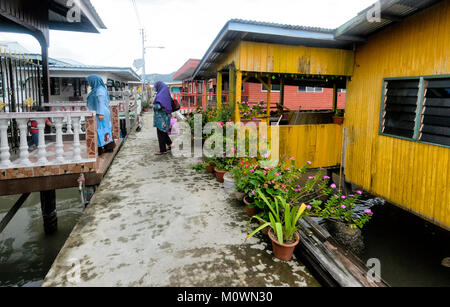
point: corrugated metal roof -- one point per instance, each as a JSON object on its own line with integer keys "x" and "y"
{"x": 354, "y": 31}
{"x": 391, "y": 11}
{"x": 283, "y": 26}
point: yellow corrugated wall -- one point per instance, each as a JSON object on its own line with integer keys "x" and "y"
{"x": 273, "y": 58}
{"x": 263, "y": 57}
{"x": 319, "y": 144}
{"x": 412, "y": 175}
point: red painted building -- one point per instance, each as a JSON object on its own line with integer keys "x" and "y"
{"x": 295, "y": 97}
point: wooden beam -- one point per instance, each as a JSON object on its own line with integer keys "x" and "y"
{"x": 219, "y": 92}
{"x": 269, "y": 94}
{"x": 8, "y": 217}
{"x": 335, "y": 99}
{"x": 281, "y": 96}
{"x": 238, "y": 95}
{"x": 232, "y": 86}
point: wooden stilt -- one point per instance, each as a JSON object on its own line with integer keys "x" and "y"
{"x": 48, "y": 206}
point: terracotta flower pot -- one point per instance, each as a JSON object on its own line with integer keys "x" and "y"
{"x": 219, "y": 175}
{"x": 250, "y": 211}
{"x": 265, "y": 230}
{"x": 256, "y": 121}
{"x": 338, "y": 120}
{"x": 283, "y": 252}
{"x": 210, "y": 169}
{"x": 146, "y": 110}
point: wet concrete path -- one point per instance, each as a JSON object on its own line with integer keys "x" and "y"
{"x": 156, "y": 222}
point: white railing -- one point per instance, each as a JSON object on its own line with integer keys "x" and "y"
{"x": 75, "y": 154}
{"x": 69, "y": 107}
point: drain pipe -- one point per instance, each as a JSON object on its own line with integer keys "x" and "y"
{"x": 81, "y": 184}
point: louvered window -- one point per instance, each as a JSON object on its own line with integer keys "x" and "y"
{"x": 435, "y": 118}
{"x": 417, "y": 109}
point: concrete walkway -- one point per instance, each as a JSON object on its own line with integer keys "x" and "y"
{"x": 156, "y": 222}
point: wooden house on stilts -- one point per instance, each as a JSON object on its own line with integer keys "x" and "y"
{"x": 394, "y": 60}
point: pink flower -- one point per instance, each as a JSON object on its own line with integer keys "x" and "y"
{"x": 253, "y": 192}
{"x": 359, "y": 192}
{"x": 292, "y": 158}
{"x": 343, "y": 197}
{"x": 351, "y": 195}
{"x": 343, "y": 207}
{"x": 252, "y": 171}
{"x": 309, "y": 162}
{"x": 266, "y": 156}
{"x": 311, "y": 177}
{"x": 277, "y": 174}
{"x": 368, "y": 211}
{"x": 326, "y": 177}
{"x": 333, "y": 186}
{"x": 308, "y": 207}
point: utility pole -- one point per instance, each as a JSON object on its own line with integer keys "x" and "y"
{"x": 143, "y": 67}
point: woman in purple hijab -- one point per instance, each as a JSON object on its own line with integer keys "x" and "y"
{"x": 162, "y": 107}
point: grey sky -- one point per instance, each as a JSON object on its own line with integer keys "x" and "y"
{"x": 186, "y": 28}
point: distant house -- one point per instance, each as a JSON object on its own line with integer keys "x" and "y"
{"x": 295, "y": 98}
{"x": 68, "y": 77}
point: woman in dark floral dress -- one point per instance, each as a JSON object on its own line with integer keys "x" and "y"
{"x": 162, "y": 107}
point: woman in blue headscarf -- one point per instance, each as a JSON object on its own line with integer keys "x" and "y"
{"x": 163, "y": 114}
{"x": 98, "y": 101}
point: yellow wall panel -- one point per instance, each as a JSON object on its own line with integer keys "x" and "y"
{"x": 413, "y": 175}
{"x": 272, "y": 58}
{"x": 320, "y": 144}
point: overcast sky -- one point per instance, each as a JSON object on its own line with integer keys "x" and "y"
{"x": 186, "y": 28}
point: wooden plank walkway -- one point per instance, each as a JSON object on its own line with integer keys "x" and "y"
{"x": 156, "y": 222}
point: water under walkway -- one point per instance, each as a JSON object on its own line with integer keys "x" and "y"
{"x": 156, "y": 222}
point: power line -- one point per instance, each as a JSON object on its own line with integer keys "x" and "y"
{"x": 137, "y": 13}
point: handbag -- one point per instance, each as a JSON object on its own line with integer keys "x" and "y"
{"x": 175, "y": 105}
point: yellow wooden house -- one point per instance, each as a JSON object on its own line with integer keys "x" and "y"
{"x": 394, "y": 60}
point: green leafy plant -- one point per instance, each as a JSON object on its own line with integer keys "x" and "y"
{"x": 145, "y": 104}
{"x": 251, "y": 112}
{"x": 199, "y": 167}
{"x": 283, "y": 219}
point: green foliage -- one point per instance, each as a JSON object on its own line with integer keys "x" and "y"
{"x": 250, "y": 112}
{"x": 145, "y": 104}
{"x": 199, "y": 167}
{"x": 283, "y": 219}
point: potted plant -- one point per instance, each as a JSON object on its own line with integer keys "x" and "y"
{"x": 283, "y": 226}
{"x": 222, "y": 166}
{"x": 252, "y": 114}
{"x": 145, "y": 105}
{"x": 338, "y": 117}
{"x": 209, "y": 165}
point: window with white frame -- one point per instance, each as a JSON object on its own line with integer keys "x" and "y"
{"x": 308, "y": 89}
{"x": 274, "y": 88}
